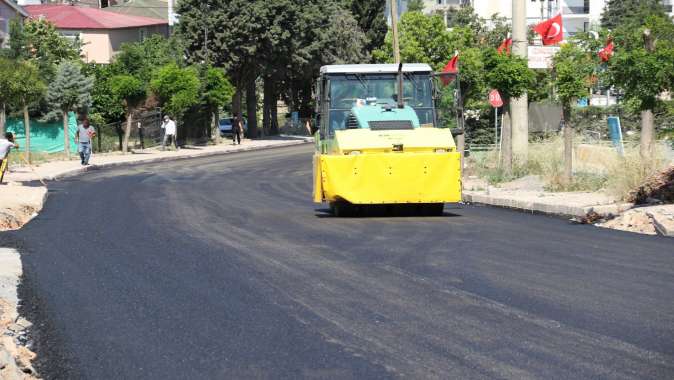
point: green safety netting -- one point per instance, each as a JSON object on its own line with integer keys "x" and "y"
{"x": 44, "y": 137}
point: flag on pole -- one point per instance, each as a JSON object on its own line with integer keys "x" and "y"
{"x": 606, "y": 53}
{"x": 452, "y": 67}
{"x": 505, "y": 46}
{"x": 551, "y": 31}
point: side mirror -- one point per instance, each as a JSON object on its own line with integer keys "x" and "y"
{"x": 456, "y": 131}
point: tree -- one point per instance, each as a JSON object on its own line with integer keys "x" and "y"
{"x": 422, "y": 39}
{"x": 263, "y": 45}
{"x": 573, "y": 69}
{"x": 643, "y": 67}
{"x": 140, "y": 59}
{"x": 415, "y": 6}
{"x": 6, "y": 70}
{"x": 619, "y": 13}
{"x": 70, "y": 91}
{"x": 371, "y": 19}
{"x": 343, "y": 41}
{"x": 25, "y": 88}
{"x": 177, "y": 88}
{"x": 104, "y": 103}
{"x": 130, "y": 91}
{"x": 217, "y": 92}
{"x": 511, "y": 76}
{"x": 38, "y": 41}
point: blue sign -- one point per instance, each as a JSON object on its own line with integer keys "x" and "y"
{"x": 295, "y": 118}
{"x": 583, "y": 102}
{"x": 616, "y": 133}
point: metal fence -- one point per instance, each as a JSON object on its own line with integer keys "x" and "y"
{"x": 146, "y": 132}
{"x": 296, "y": 129}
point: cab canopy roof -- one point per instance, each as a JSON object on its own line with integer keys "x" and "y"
{"x": 386, "y": 68}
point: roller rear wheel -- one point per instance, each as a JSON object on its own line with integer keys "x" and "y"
{"x": 343, "y": 209}
{"x": 433, "y": 209}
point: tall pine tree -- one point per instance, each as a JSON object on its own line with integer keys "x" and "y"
{"x": 371, "y": 19}
{"x": 70, "y": 91}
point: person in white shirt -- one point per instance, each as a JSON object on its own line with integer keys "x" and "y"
{"x": 169, "y": 127}
{"x": 6, "y": 145}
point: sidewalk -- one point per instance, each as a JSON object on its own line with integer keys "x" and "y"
{"x": 60, "y": 169}
{"x": 21, "y": 196}
{"x": 528, "y": 194}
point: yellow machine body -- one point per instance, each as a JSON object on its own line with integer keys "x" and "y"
{"x": 363, "y": 166}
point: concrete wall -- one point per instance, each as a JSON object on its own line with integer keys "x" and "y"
{"x": 97, "y": 47}
{"x": 102, "y": 44}
{"x": 6, "y": 14}
{"x": 120, "y": 36}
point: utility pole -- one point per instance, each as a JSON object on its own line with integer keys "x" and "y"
{"x": 647, "y": 124}
{"x": 520, "y": 106}
{"x": 170, "y": 16}
{"x": 394, "y": 29}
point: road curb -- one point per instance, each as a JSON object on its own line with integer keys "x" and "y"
{"x": 660, "y": 226}
{"x": 78, "y": 171}
{"x": 546, "y": 208}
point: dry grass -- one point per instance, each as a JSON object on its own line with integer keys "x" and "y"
{"x": 18, "y": 158}
{"x": 631, "y": 171}
{"x": 617, "y": 175}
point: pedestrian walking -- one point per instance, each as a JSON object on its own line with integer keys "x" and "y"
{"x": 6, "y": 145}
{"x": 141, "y": 136}
{"x": 237, "y": 129}
{"x": 83, "y": 139}
{"x": 169, "y": 127}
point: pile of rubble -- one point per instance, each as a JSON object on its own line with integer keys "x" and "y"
{"x": 634, "y": 220}
{"x": 15, "y": 357}
{"x": 659, "y": 188}
{"x": 657, "y": 217}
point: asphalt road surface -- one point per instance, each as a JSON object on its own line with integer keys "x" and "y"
{"x": 222, "y": 268}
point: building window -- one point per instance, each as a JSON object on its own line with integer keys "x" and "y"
{"x": 142, "y": 34}
{"x": 71, "y": 35}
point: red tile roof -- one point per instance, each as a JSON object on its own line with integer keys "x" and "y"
{"x": 73, "y": 17}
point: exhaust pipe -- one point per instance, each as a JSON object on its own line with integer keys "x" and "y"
{"x": 401, "y": 101}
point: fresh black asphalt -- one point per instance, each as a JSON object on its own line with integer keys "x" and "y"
{"x": 223, "y": 268}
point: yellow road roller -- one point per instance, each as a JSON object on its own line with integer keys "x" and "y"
{"x": 375, "y": 146}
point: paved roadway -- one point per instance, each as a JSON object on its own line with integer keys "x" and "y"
{"x": 223, "y": 268}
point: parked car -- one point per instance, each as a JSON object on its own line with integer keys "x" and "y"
{"x": 225, "y": 126}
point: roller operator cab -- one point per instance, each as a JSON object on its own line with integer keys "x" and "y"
{"x": 374, "y": 148}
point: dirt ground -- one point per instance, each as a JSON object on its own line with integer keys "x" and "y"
{"x": 19, "y": 204}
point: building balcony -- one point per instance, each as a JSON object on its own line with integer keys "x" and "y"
{"x": 582, "y": 10}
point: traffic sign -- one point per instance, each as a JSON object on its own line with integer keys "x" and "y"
{"x": 495, "y": 99}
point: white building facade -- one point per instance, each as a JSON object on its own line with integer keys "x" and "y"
{"x": 579, "y": 15}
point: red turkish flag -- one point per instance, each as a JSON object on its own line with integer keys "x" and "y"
{"x": 551, "y": 31}
{"x": 606, "y": 53}
{"x": 505, "y": 46}
{"x": 452, "y": 67}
